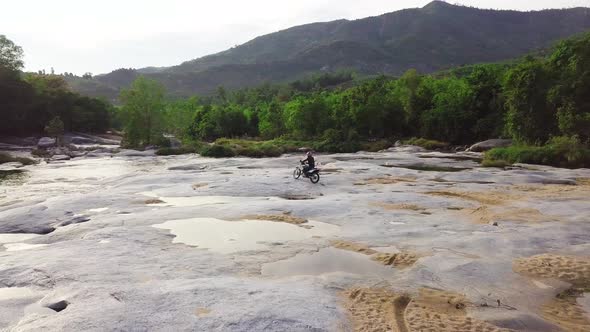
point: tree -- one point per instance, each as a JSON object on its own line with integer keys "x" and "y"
{"x": 55, "y": 129}
{"x": 142, "y": 109}
{"x": 529, "y": 119}
{"x": 11, "y": 55}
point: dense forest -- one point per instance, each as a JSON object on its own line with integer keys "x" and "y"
{"x": 534, "y": 100}
{"x": 28, "y": 102}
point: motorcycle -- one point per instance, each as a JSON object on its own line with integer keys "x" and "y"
{"x": 312, "y": 174}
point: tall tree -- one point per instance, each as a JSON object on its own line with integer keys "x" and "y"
{"x": 143, "y": 105}
{"x": 11, "y": 55}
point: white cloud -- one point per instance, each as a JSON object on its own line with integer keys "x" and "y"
{"x": 99, "y": 36}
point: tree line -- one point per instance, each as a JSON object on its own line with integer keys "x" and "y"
{"x": 30, "y": 101}
{"x": 529, "y": 100}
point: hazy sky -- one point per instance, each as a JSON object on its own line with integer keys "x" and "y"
{"x": 100, "y": 36}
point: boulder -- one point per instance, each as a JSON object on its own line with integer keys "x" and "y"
{"x": 175, "y": 142}
{"x": 490, "y": 144}
{"x": 80, "y": 140}
{"x": 46, "y": 142}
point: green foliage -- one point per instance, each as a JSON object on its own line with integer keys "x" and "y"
{"x": 28, "y": 102}
{"x": 55, "y": 128}
{"x": 559, "y": 151}
{"x": 11, "y": 55}
{"x": 500, "y": 163}
{"x": 143, "y": 112}
{"x": 530, "y": 119}
{"x": 218, "y": 151}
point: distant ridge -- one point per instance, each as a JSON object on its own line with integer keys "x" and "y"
{"x": 438, "y": 36}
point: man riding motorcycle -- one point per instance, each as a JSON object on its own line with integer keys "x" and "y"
{"x": 309, "y": 163}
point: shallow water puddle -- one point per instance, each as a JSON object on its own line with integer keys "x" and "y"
{"x": 13, "y": 238}
{"x": 22, "y": 246}
{"x": 98, "y": 210}
{"x": 185, "y": 201}
{"x": 13, "y": 293}
{"x": 233, "y": 236}
{"x": 327, "y": 260}
{"x": 584, "y": 302}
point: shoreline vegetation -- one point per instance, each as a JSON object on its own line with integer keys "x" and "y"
{"x": 539, "y": 102}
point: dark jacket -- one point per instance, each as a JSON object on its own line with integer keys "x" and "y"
{"x": 310, "y": 161}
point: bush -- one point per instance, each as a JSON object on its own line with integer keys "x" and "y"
{"x": 495, "y": 163}
{"x": 376, "y": 146}
{"x": 559, "y": 152}
{"x": 218, "y": 151}
{"x": 426, "y": 143}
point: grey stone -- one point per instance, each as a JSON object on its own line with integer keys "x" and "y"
{"x": 46, "y": 142}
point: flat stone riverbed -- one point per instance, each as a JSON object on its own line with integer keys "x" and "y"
{"x": 400, "y": 240}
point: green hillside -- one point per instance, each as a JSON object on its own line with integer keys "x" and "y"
{"x": 435, "y": 37}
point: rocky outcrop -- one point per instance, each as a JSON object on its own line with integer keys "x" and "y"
{"x": 490, "y": 144}
{"x": 46, "y": 143}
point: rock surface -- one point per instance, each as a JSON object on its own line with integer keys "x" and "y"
{"x": 46, "y": 142}
{"x": 490, "y": 144}
{"x": 101, "y": 262}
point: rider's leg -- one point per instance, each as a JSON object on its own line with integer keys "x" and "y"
{"x": 305, "y": 169}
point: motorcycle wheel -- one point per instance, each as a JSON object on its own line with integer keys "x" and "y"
{"x": 314, "y": 178}
{"x": 296, "y": 173}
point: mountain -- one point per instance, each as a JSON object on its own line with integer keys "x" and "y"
{"x": 435, "y": 37}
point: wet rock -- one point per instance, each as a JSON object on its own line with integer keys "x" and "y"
{"x": 79, "y": 140}
{"x": 58, "y": 306}
{"x": 46, "y": 142}
{"x": 75, "y": 220}
{"x": 135, "y": 153}
{"x": 60, "y": 157}
{"x": 490, "y": 144}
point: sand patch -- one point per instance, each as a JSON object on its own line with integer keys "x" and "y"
{"x": 285, "y": 217}
{"x": 152, "y": 201}
{"x": 399, "y": 260}
{"x": 377, "y": 309}
{"x": 201, "y": 312}
{"x": 199, "y": 185}
{"x": 351, "y": 246}
{"x": 486, "y": 215}
{"x": 385, "y": 180}
{"x": 580, "y": 190}
{"x": 563, "y": 310}
{"x": 400, "y": 206}
{"x": 489, "y": 198}
{"x": 566, "y": 313}
{"x": 575, "y": 270}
